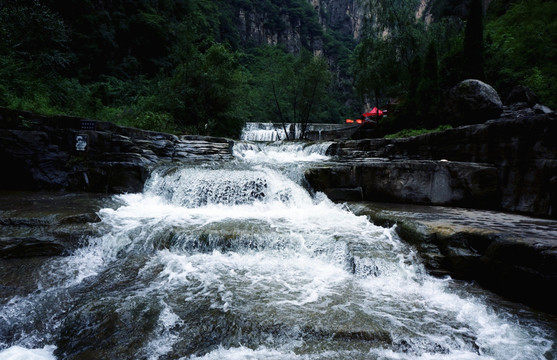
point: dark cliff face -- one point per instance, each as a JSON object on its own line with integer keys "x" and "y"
{"x": 344, "y": 16}
{"x": 300, "y": 26}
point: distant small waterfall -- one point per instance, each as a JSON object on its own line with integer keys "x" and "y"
{"x": 266, "y": 132}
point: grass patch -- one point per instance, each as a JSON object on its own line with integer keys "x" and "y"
{"x": 415, "y": 132}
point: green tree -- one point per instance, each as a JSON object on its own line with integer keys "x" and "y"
{"x": 203, "y": 92}
{"x": 429, "y": 91}
{"x": 522, "y": 49}
{"x": 288, "y": 88}
{"x": 474, "y": 42}
{"x": 299, "y": 89}
{"x": 33, "y": 51}
{"x": 392, "y": 38}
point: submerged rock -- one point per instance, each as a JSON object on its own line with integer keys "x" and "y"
{"x": 43, "y": 224}
{"x": 28, "y": 247}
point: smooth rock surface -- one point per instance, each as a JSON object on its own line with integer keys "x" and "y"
{"x": 409, "y": 181}
{"x": 46, "y": 223}
{"x": 472, "y": 102}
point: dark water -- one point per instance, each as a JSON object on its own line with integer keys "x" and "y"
{"x": 241, "y": 261}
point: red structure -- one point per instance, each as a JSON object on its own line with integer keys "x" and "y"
{"x": 370, "y": 118}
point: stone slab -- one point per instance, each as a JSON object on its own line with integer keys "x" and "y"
{"x": 510, "y": 254}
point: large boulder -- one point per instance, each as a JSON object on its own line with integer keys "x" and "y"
{"x": 472, "y": 102}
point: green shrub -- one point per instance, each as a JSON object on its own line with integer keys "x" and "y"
{"x": 416, "y": 132}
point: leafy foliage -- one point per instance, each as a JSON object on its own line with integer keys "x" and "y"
{"x": 521, "y": 45}
{"x": 416, "y": 132}
{"x": 186, "y": 66}
{"x": 177, "y": 66}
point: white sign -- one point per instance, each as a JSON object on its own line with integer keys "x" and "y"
{"x": 80, "y": 142}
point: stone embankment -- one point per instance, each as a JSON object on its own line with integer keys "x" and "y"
{"x": 507, "y": 164}
{"x": 75, "y": 154}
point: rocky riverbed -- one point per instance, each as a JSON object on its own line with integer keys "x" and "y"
{"x": 37, "y": 226}
{"x": 60, "y": 170}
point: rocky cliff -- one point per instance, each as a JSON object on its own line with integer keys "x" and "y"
{"x": 344, "y": 16}
{"x": 299, "y": 27}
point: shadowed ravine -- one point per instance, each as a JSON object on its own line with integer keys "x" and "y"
{"x": 240, "y": 260}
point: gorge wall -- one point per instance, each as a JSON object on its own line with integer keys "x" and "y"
{"x": 272, "y": 25}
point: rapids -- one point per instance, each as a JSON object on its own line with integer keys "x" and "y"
{"x": 241, "y": 260}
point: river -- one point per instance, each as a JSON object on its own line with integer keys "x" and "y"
{"x": 241, "y": 260}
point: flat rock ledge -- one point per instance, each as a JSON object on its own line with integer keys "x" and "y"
{"x": 408, "y": 181}
{"x": 510, "y": 254}
{"x": 77, "y": 154}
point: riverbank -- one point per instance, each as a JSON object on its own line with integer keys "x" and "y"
{"x": 510, "y": 254}
{"x": 508, "y": 164}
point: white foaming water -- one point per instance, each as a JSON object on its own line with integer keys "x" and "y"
{"x": 238, "y": 261}
{"x": 21, "y": 353}
{"x": 265, "y": 132}
{"x": 278, "y": 153}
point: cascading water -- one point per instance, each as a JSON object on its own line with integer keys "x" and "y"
{"x": 239, "y": 261}
{"x": 264, "y": 132}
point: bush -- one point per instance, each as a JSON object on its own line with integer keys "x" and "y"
{"x": 415, "y": 132}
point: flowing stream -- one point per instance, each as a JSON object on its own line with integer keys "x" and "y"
{"x": 240, "y": 260}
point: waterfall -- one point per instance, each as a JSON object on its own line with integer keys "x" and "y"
{"x": 238, "y": 260}
{"x": 264, "y": 132}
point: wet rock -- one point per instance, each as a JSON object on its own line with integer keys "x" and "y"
{"x": 28, "y": 247}
{"x": 71, "y": 153}
{"x": 510, "y": 254}
{"x": 410, "y": 181}
{"x": 472, "y": 102}
{"x": 45, "y": 224}
{"x": 521, "y": 148}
